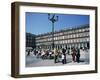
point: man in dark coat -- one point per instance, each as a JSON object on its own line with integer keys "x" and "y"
{"x": 78, "y": 55}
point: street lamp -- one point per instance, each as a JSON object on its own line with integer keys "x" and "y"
{"x": 53, "y": 19}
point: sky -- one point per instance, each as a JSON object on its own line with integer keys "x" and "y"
{"x": 38, "y": 23}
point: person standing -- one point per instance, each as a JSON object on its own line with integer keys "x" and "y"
{"x": 62, "y": 57}
{"x": 74, "y": 55}
{"x": 64, "y": 53}
{"x": 55, "y": 56}
{"x": 78, "y": 55}
{"x": 28, "y": 53}
{"x": 50, "y": 55}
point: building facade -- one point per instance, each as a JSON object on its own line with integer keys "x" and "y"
{"x": 66, "y": 38}
{"x": 30, "y": 40}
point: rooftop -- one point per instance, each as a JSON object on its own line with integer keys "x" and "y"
{"x": 66, "y": 29}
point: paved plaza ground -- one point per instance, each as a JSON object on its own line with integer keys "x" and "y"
{"x": 33, "y": 61}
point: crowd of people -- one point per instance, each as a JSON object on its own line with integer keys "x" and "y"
{"x": 59, "y": 55}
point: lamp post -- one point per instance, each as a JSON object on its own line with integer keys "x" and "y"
{"x": 53, "y": 19}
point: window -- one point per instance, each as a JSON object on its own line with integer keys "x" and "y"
{"x": 73, "y": 35}
{"x": 70, "y": 36}
{"x": 87, "y": 39}
{"x": 66, "y": 41}
{"x": 63, "y": 37}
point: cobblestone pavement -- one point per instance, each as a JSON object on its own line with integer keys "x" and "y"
{"x": 32, "y": 61}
